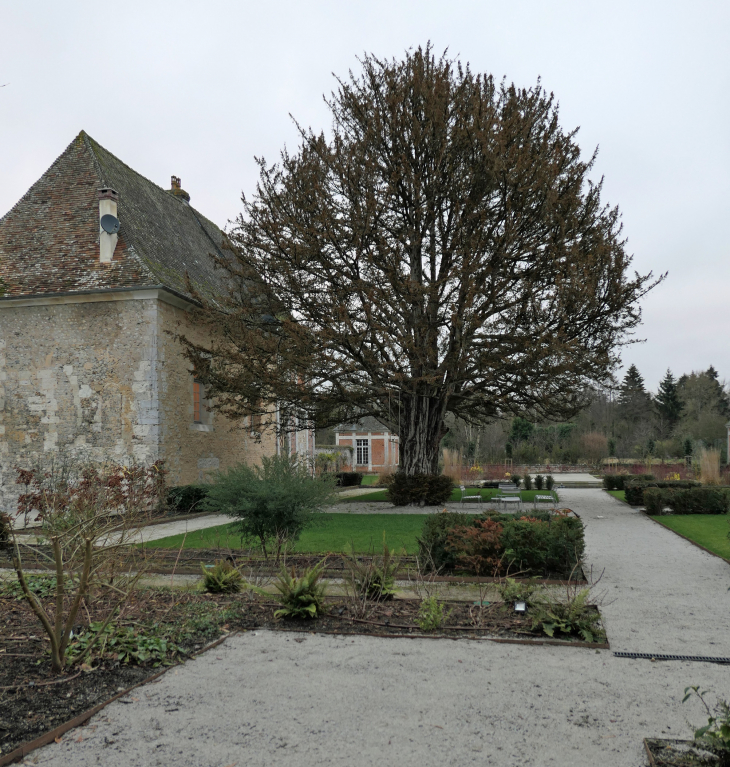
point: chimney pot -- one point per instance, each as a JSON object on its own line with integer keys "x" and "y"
{"x": 176, "y": 189}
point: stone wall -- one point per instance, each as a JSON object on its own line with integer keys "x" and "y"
{"x": 192, "y": 451}
{"x": 98, "y": 378}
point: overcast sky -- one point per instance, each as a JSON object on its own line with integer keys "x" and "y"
{"x": 197, "y": 89}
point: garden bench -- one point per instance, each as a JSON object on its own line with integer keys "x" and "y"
{"x": 467, "y": 497}
{"x": 510, "y": 498}
{"x": 544, "y": 499}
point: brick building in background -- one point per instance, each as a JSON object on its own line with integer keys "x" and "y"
{"x": 86, "y": 364}
{"x": 374, "y": 446}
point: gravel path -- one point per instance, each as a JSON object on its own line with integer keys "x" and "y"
{"x": 267, "y": 698}
{"x": 663, "y": 594}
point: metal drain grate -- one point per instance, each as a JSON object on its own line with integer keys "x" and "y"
{"x": 661, "y": 656}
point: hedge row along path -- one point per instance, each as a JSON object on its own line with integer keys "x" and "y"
{"x": 301, "y": 700}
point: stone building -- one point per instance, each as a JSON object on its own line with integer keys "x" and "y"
{"x": 374, "y": 446}
{"x": 86, "y": 363}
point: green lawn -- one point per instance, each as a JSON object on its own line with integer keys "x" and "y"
{"x": 620, "y": 494}
{"x": 370, "y": 479}
{"x": 333, "y": 532}
{"x": 487, "y": 494}
{"x": 709, "y": 530}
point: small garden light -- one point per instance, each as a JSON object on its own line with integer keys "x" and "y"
{"x": 520, "y": 607}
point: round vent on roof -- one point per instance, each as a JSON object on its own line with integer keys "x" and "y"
{"x": 109, "y": 223}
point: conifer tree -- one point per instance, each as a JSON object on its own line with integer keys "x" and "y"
{"x": 633, "y": 399}
{"x": 667, "y": 401}
{"x": 443, "y": 252}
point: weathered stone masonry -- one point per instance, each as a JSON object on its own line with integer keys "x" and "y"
{"x": 100, "y": 378}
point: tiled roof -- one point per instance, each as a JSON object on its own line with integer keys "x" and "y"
{"x": 366, "y": 423}
{"x": 49, "y": 241}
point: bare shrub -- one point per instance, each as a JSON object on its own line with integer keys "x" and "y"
{"x": 89, "y": 515}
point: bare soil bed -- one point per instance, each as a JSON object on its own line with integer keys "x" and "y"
{"x": 35, "y": 700}
{"x": 678, "y": 753}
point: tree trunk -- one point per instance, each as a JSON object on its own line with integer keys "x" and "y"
{"x": 421, "y": 429}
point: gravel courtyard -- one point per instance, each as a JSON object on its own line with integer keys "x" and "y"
{"x": 268, "y": 698}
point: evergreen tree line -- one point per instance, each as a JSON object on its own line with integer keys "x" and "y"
{"x": 624, "y": 421}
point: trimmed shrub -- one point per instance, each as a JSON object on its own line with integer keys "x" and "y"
{"x": 699, "y": 500}
{"x": 619, "y": 481}
{"x": 655, "y": 499}
{"x": 538, "y": 544}
{"x": 549, "y": 482}
{"x": 349, "y": 478}
{"x": 528, "y": 482}
{"x": 539, "y": 482}
{"x": 432, "y": 550}
{"x": 423, "y": 489}
{"x": 185, "y": 499}
{"x": 635, "y": 490}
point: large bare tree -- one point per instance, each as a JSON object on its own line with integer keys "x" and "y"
{"x": 443, "y": 250}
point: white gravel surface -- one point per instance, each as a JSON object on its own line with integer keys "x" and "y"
{"x": 268, "y": 698}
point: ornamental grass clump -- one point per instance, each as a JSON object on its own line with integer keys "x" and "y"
{"x": 222, "y": 578}
{"x": 301, "y": 597}
{"x": 371, "y": 577}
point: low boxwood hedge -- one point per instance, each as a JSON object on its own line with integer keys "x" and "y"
{"x": 349, "y": 478}
{"x": 186, "y": 499}
{"x": 618, "y": 481}
{"x": 635, "y": 490}
{"x": 423, "y": 489}
{"x": 693, "y": 500}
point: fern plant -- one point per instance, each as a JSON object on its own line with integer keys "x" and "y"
{"x": 715, "y": 735}
{"x": 301, "y": 597}
{"x": 222, "y": 578}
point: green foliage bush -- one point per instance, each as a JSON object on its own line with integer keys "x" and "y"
{"x": 654, "y": 500}
{"x": 186, "y": 499}
{"x": 222, "y": 578}
{"x": 569, "y": 615}
{"x": 692, "y": 500}
{"x": 528, "y": 482}
{"x": 423, "y": 489}
{"x": 549, "y": 482}
{"x": 634, "y": 491}
{"x": 301, "y": 597}
{"x": 539, "y": 544}
{"x": 432, "y": 543}
{"x": 511, "y": 591}
{"x": 539, "y": 482}
{"x": 349, "y": 478}
{"x": 618, "y": 481}
{"x": 271, "y": 503}
{"x": 432, "y": 614}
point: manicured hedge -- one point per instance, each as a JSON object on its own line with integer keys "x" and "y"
{"x": 349, "y": 478}
{"x": 635, "y": 490}
{"x": 694, "y": 500}
{"x": 618, "y": 481}
{"x": 423, "y": 489}
{"x": 186, "y": 499}
{"x": 538, "y": 544}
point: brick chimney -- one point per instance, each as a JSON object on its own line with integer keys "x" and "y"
{"x": 108, "y": 200}
{"x": 177, "y": 191}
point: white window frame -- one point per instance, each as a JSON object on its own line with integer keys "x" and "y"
{"x": 362, "y": 450}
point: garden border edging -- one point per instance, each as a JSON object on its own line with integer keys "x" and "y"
{"x": 43, "y": 740}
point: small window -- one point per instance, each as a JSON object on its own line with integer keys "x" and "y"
{"x": 197, "y": 401}
{"x": 363, "y": 452}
